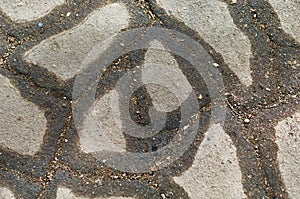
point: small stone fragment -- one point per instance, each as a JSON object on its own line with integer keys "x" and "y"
{"x": 216, "y": 65}
{"x": 247, "y": 121}
{"x": 40, "y": 24}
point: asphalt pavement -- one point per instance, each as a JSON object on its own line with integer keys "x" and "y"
{"x": 124, "y": 99}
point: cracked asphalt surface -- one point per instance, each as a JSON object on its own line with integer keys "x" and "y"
{"x": 253, "y": 153}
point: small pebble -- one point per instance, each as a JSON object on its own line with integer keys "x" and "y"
{"x": 216, "y": 65}
{"x": 40, "y": 24}
{"x": 247, "y": 121}
{"x": 185, "y": 127}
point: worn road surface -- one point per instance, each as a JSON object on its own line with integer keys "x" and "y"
{"x": 123, "y": 99}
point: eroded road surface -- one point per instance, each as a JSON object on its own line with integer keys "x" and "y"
{"x": 149, "y": 99}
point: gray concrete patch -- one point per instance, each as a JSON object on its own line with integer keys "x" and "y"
{"x": 289, "y": 14}
{"x": 101, "y": 129}
{"x": 215, "y": 171}
{"x": 22, "y": 123}
{"x": 63, "y": 54}
{"x": 161, "y": 68}
{"x": 6, "y": 193}
{"x": 64, "y": 193}
{"x": 27, "y": 10}
{"x": 288, "y": 141}
{"x": 212, "y": 20}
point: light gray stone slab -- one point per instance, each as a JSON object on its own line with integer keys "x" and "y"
{"x": 22, "y": 123}
{"x": 64, "y": 193}
{"x": 161, "y": 68}
{"x": 289, "y": 14}
{"x": 63, "y": 53}
{"x": 215, "y": 171}
{"x": 102, "y": 128}
{"x": 288, "y": 141}
{"x": 6, "y": 193}
{"x": 27, "y": 10}
{"x": 212, "y": 20}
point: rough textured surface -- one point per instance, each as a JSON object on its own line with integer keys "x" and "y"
{"x": 64, "y": 193}
{"x": 63, "y": 54}
{"x": 268, "y": 166}
{"x": 27, "y": 10}
{"x": 288, "y": 140}
{"x": 215, "y": 171}
{"x": 162, "y": 69}
{"x": 6, "y": 193}
{"x": 211, "y": 19}
{"x": 22, "y": 123}
{"x": 101, "y": 125}
{"x": 289, "y": 15}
